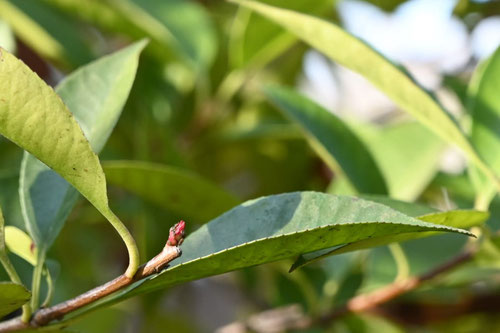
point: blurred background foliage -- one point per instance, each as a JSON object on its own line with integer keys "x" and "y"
{"x": 197, "y": 107}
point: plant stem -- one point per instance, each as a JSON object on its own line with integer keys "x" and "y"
{"x": 9, "y": 268}
{"x": 292, "y": 318}
{"x": 50, "y": 288}
{"x": 37, "y": 279}
{"x": 44, "y": 316}
{"x": 368, "y": 301}
{"x": 133, "y": 251}
{"x": 401, "y": 261}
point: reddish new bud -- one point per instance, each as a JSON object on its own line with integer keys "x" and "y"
{"x": 176, "y": 234}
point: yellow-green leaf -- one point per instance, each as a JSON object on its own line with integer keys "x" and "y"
{"x": 36, "y": 119}
{"x": 95, "y": 94}
{"x": 19, "y": 243}
{"x": 12, "y": 297}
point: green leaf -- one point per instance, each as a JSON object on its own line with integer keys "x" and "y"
{"x": 349, "y": 285}
{"x": 35, "y": 118}
{"x": 455, "y": 219}
{"x": 4, "y": 258}
{"x": 9, "y": 195}
{"x": 189, "y": 25}
{"x": 282, "y": 226}
{"x": 19, "y": 243}
{"x": 178, "y": 190}
{"x": 12, "y": 297}
{"x": 408, "y": 155}
{"x": 331, "y": 139}
{"x": 179, "y": 30}
{"x": 49, "y": 33}
{"x": 255, "y": 41}
{"x": 2, "y": 233}
{"x": 408, "y": 208}
{"x": 485, "y": 108}
{"x": 96, "y": 95}
{"x": 354, "y": 54}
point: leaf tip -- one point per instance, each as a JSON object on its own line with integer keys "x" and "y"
{"x": 298, "y": 263}
{"x": 142, "y": 43}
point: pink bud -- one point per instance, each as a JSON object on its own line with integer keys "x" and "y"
{"x": 176, "y": 234}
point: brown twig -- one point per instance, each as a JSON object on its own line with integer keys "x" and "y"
{"x": 371, "y": 300}
{"x": 42, "y": 317}
{"x": 281, "y": 321}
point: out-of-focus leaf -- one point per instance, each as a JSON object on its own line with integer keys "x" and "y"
{"x": 332, "y": 139}
{"x": 12, "y": 297}
{"x": 175, "y": 25}
{"x": 407, "y": 155}
{"x": 9, "y": 197}
{"x": 190, "y": 26}
{"x": 456, "y": 219}
{"x": 7, "y": 40}
{"x": 349, "y": 285}
{"x": 255, "y": 41}
{"x": 367, "y": 323}
{"x": 104, "y": 14}
{"x": 352, "y": 53}
{"x": 282, "y": 226}
{"x": 4, "y": 258}
{"x": 49, "y": 33}
{"x": 485, "y": 109}
{"x": 19, "y": 243}
{"x": 2, "y": 233}
{"x": 95, "y": 94}
{"x": 49, "y": 330}
{"x": 181, "y": 191}
{"x": 456, "y": 185}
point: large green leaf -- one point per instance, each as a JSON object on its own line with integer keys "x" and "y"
{"x": 331, "y": 139}
{"x": 181, "y": 191}
{"x": 95, "y": 94}
{"x": 485, "y": 108}
{"x": 283, "y": 226}
{"x": 49, "y": 33}
{"x": 455, "y": 218}
{"x": 35, "y": 118}
{"x": 12, "y": 297}
{"x": 354, "y": 54}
